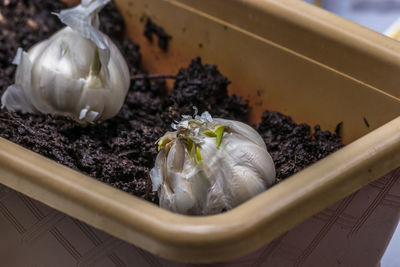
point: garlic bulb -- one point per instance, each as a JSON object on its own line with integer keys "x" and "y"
{"x": 78, "y": 72}
{"x": 209, "y": 165}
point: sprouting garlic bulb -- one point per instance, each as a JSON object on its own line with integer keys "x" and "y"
{"x": 78, "y": 72}
{"x": 209, "y": 165}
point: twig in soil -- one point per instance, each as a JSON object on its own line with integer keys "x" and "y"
{"x": 126, "y": 153}
{"x": 152, "y": 76}
{"x": 10, "y": 121}
{"x": 148, "y": 184}
{"x": 194, "y": 82}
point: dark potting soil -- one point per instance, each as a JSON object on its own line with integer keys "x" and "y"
{"x": 294, "y": 146}
{"x": 121, "y": 150}
{"x": 152, "y": 29}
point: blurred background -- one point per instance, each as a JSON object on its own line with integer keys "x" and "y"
{"x": 374, "y": 14}
{"x": 382, "y": 16}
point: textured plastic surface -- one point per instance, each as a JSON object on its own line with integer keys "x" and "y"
{"x": 352, "y": 232}
{"x": 285, "y": 55}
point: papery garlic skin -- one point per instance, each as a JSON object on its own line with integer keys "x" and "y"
{"x": 213, "y": 178}
{"x": 56, "y": 75}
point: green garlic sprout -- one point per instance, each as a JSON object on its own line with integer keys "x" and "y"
{"x": 209, "y": 165}
{"x": 78, "y": 72}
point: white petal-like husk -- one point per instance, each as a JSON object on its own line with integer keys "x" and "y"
{"x": 84, "y": 20}
{"x": 19, "y": 96}
{"x": 243, "y": 130}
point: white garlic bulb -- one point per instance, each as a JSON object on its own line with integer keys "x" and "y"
{"x": 209, "y": 165}
{"x": 78, "y": 72}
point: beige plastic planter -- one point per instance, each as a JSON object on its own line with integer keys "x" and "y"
{"x": 283, "y": 55}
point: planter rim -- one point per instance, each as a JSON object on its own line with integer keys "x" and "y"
{"x": 252, "y": 224}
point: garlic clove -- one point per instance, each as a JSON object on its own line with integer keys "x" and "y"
{"x": 182, "y": 200}
{"x": 176, "y": 157}
{"x": 19, "y": 95}
{"x": 217, "y": 201}
{"x": 245, "y": 183}
{"x": 253, "y": 157}
{"x": 156, "y": 172}
{"x": 15, "y": 98}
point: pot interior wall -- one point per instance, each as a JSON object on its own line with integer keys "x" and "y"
{"x": 277, "y": 60}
